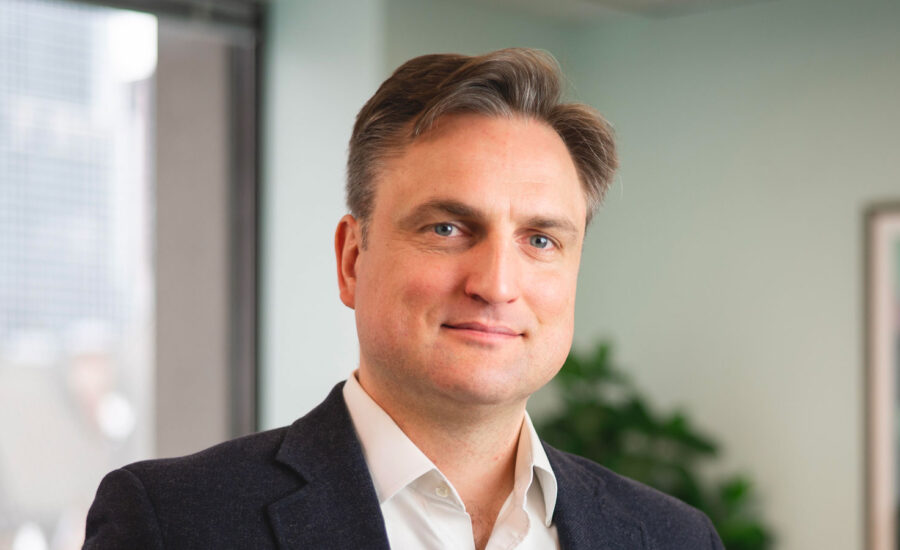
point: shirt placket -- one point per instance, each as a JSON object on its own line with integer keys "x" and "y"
{"x": 445, "y": 512}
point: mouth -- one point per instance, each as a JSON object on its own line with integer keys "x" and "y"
{"x": 483, "y": 330}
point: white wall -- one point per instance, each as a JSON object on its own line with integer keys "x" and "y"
{"x": 323, "y": 60}
{"x": 417, "y": 27}
{"x": 726, "y": 266}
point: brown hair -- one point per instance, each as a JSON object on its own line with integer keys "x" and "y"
{"x": 509, "y": 82}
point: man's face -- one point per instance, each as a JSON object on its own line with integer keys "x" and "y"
{"x": 465, "y": 291}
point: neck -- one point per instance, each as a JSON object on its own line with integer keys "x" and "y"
{"x": 479, "y": 460}
{"x": 474, "y": 446}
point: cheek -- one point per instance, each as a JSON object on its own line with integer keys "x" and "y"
{"x": 553, "y": 304}
{"x": 426, "y": 287}
{"x": 405, "y": 292}
{"x": 552, "y": 298}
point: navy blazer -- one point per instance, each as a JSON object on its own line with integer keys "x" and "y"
{"x": 307, "y": 486}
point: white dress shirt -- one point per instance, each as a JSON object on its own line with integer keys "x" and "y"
{"x": 421, "y": 508}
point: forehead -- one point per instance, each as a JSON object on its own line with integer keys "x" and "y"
{"x": 495, "y": 163}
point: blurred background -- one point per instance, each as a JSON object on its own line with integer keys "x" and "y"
{"x": 171, "y": 173}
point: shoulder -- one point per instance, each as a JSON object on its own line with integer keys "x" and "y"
{"x": 242, "y": 471}
{"x": 631, "y": 495}
{"x": 160, "y": 503}
{"x": 246, "y": 461}
{"x": 216, "y": 498}
{"x": 236, "y": 457}
{"x": 222, "y": 497}
{"x": 667, "y": 521}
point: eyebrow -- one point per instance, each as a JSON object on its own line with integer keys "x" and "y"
{"x": 441, "y": 206}
{"x": 466, "y": 212}
{"x": 559, "y": 224}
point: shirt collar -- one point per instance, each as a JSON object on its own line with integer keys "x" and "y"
{"x": 395, "y": 462}
{"x": 531, "y": 453}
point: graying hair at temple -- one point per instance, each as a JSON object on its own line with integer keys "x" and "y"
{"x": 511, "y": 82}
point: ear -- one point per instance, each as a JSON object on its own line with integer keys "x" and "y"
{"x": 347, "y": 244}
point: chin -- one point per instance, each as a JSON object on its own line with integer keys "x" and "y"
{"x": 485, "y": 386}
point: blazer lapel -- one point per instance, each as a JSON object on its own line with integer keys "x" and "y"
{"x": 585, "y": 518}
{"x": 336, "y": 506}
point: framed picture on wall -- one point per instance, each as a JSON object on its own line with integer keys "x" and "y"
{"x": 882, "y": 234}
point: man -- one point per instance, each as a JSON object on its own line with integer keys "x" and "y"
{"x": 469, "y": 187}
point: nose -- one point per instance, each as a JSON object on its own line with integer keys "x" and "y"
{"x": 492, "y": 275}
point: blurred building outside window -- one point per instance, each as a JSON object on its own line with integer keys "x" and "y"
{"x": 76, "y": 263}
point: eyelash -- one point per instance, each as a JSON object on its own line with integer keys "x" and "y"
{"x": 552, "y": 244}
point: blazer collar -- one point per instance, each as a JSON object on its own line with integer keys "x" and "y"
{"x": 585, "y": 516}
{"x": 335, "y": 506}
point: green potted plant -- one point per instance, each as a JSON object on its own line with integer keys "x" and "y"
{"x": 603, "y": 417}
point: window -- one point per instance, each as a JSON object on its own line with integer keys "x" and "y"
{"x": 127, "y": 246}
{"x": 76, "y": 281}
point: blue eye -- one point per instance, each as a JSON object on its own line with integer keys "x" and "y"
{"x": 539, "y": 241}
{"x": 443, "y": 229}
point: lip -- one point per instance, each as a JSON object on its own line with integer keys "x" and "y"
{"x": 483, "y": 330}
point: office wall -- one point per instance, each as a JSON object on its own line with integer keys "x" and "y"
{"x": 322, "y": 60}
{"x": 417, "y": 27}
{"x": 726, "y": 266}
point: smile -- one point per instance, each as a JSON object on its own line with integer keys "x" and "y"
{"x": 481, "y": 330}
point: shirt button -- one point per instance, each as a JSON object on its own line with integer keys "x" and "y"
{"x": 442, "y": 491}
